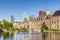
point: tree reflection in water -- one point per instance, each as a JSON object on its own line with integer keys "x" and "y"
{"x": 32, "y": 36}
{"x": 6, "y": 36}
{"x": 44, "y": 35}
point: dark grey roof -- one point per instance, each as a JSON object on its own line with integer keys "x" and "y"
{"x": 57, "y": 13}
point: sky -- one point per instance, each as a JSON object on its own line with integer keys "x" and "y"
{"x": 30, "y": 7}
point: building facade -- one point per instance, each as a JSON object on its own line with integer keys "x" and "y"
{"x": 51, "y": 21}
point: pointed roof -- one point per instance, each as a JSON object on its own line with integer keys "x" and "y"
{"x": 25, "y": 16}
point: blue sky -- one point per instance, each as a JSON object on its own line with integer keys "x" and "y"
{"x": 31, "y": 7}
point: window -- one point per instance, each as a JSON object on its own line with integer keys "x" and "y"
{"x": 57, "y": 26}
{"x": 54, "y": 22}
{"x": 57, "y": 21}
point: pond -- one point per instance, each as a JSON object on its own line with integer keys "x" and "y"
{"x": 30, "y": 36}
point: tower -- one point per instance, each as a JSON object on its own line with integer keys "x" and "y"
{"x": 25, "y": 16}
{"x": 12, "y": 18}
{"x": 41, "y": 13}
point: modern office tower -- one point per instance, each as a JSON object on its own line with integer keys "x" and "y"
{"x": 12, "y": 18}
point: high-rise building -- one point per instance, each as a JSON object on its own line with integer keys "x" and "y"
{"x": 12, "y": 18}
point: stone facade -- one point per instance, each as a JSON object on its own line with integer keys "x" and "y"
{"x": 51, "y": 21}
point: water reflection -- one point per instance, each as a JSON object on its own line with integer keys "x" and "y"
{"x": 51, "y": 36}
{"x": 30, "y": 36}
{"x": 6, "y": 36}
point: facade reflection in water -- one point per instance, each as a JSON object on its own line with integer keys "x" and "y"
{"x": 26, "y": 36}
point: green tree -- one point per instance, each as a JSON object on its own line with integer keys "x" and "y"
{"x": 5, "y": 24}
{"x": 25, "y": 29}
{"x": 44, "y": 27}
{"x": 0, "y": 25}
{"x": 11, "y": 26}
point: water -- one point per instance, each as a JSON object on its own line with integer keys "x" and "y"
{"x": 30, "y": 36}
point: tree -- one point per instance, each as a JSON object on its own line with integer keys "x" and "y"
{"x": 11, "y": 26}
{"x": 5, "y": 24}
{"x": 25, "y": 29}
{"x": 0, "y": 25}
{"x": 44, "y": 27}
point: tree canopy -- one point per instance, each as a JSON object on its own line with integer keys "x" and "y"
{"x": 44, "y": 27}
{"x": 5, "y": 24}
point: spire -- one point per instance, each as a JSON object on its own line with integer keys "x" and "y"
{"x": 25, "y": 16}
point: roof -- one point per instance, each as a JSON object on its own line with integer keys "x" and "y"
{"x": 57, "y": 13}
